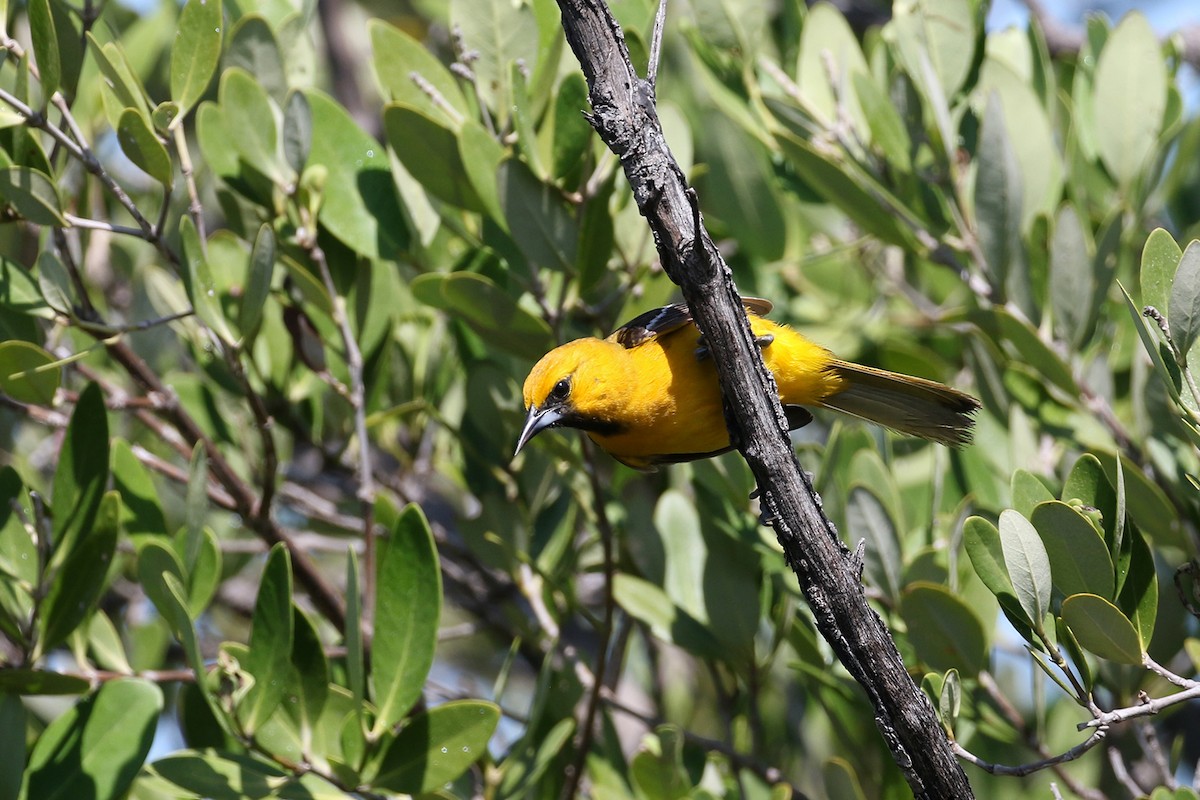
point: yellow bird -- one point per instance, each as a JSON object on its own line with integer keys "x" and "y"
{"x": 648, "y": 394}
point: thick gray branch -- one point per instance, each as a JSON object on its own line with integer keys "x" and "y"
{"x": 625, "y": 117}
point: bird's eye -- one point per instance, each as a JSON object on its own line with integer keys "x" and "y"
{"x": 560, "y": 390}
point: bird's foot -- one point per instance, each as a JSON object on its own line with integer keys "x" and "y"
{"x": 702, "y": 351}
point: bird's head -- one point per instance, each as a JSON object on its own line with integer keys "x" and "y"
{"x": 572, "y": 386}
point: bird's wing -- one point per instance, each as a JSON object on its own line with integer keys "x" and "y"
{"x": 661, "y": 321}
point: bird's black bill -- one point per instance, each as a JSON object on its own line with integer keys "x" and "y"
{"x": 537, "y": 421}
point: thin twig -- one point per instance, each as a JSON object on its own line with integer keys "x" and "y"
{"x": 587, "y": 727}
{"x": 357, "y": 397}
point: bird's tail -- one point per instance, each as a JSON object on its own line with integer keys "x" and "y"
{"x": 903, "y": 403}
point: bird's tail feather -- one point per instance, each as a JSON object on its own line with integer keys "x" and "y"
{"x": 903, "y": 403}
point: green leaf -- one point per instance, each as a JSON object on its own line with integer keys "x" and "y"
{"x": 429, "y": 151}
{"x": 1160, "y": 260}
{"x": 1183, "y": 306}
{"x": 28, "y": 373}
{"x": 32, "y": 195}
{"x": 842, "y": 779}
{"x": 250, "y": 117}
{"x": 308, "y": 686}
{"x": 572, "y": 132}
{"x": 982, "y": 542}
{"x": 12, "y": 738}
{"x": 353, "y": 634}
{"x": 1067, "y": 640}
{"x": 1028, "y": 491}
{"x": 271, "y": 632}
{"x": 97, "y": 747}
{"x": 19, "y": 290}
{"x": 998, "y": 196}
{"x": 161, "y": 576}
{"x": 500, "y": 32}
{"x": 1002, "y": 326}
{"x": 437, "y": 746}
{"x": 204, "y": 569}
{"x": 1150, "y": 342}
{"x": 487, "y": 309}
{"x": 1027, "y": 564}
{"x": 840, "y": 185}
{"x": 950, "y": 698}
{"x": 1072, "y": 281}
{"x": 887, "y": 128}
{"x": 1146, "y": 504}
{"x": 1138, "y": 599}
{"x": 945, "y": 632}
{"x": 105, "y": 644}
{"x": 54, "y": 283}
{"x": 738, "y": 188}
{"x": 1130, "y": 98}
{"x": 199, "y": 283}
{"x": 82, "y": 471}
{"x": 297, "y": 131}
{"x": 142, "y": 513}
{"x": 481, "y": 155}
{"x": 658, "y": 769}
{"x": 408, "y": 606}
{"x": 80, "y": 582}
{"x": 254, "y": 49}
{"x": 1034, "y": 140}
{"x": 398, "y": 57}
{"x": 119, "y": 76}
{"x": 649, "y": 604}
{"x": 257, "y": 286}
{"x": 141, "y": 144}
{"x": 40, "y": 682}
{"x": 1101, "y": 628}
{"x": 525, "y": 769}
{"x": 942, "y": 30}
{"x": 828, "y": 70}
{"x": 868, "y": 518}
{"x": 1079, "y": 558}
{"x": 361, "y": 207}
{"x": 195, "y": 52}
{"x": 45, "y": 46}
{"x": 231, "y": 776}
{"x": 685, "y": 553}
{"x": 537, "y": 216}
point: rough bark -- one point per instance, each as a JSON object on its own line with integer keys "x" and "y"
{"x": 623, "y": 113}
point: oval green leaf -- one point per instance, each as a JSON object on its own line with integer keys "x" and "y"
{"x": 80, "y": 582}
{"x": 196, "y": 51}
{"x": 269, "y": 659}
{"x": 1079, "y": 558}
{"x": 408, "y": 606}
{"x": 140, "y": 143}
{"x": 437, "y": 746}
{"x": 1102, "y": 629}
{"x": 1183, "y": 303}
{"x": 1160, "y": 259}
{"x": 97, "y": 747}
{"x": 487, "y": 309}
{"x": 1027, "y": 564}
{"x": 360, "y": 202}
{"x": 28, "y": 373}
{"x": 945, "y": 632}
{"x": 32, "y": 195}
{"x": 1130, "y": 98}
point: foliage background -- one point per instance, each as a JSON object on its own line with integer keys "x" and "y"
{"x": 245, "y": 239}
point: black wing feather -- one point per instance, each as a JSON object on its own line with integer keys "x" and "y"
{"x": 661, "y": 321}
